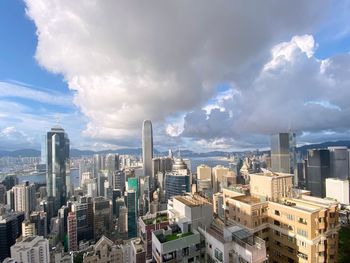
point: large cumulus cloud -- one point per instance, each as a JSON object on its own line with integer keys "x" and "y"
{"x": 132, "y": 60}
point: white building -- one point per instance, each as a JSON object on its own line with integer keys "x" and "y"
{"x": 34, "y": 249}
{"x": 338, "y": 189}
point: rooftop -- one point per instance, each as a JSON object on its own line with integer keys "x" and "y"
{"x": 155, "y": 218}
{"x": 250, "y": 200}
{"x": 192, "y": 201}
{"x": 163, "y": 238}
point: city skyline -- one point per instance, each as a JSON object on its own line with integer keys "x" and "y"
{"x": 226, "y": 93}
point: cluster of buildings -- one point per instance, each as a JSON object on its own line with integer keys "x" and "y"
{"x": 259, "y": 208}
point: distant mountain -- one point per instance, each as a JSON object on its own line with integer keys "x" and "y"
{"x": 22, "y": 153}
{"x": 303, "y": 149}
{"x": 184, "y": 153}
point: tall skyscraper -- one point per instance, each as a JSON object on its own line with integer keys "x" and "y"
{"x": 147, "y": 147}
{"x": 318, "y": 169}
{"x": 57, "y": 159}
{"x": 280, "y": 155}
{"x": 112, "y": 166}
{"x": 132, "y": 213}
{"x": 339, "y": 162}
{"x": 72, "y": 231}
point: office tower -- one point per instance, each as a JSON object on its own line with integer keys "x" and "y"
{"x": 101, "y": 179}
{"x": 83, "y": 210}
{"x": 102, "y": 217}
{"x": 204, "y": 172}
{"x": 219, "y": 172}
{"x": 98, "y": 163}
{"x": 40, "y": 221}
{"x": 147, "y": 147}
{"x": 292, "y": 152}
{"x": 62, "y": 216}
{"x": 116, "y": 194}
{"x": 91, "y": 187}
{"x": 138, "y": 253}
{"x": 119, "y": 181}
{"x": 105, "y": 250}
{"x": 170, "y": 154}
{"x": 148, "y": 224}
{"x": 57, "y": 159}
{"x": 34, "y": 249}
{"x": 338, "y": 189}
{"x": 161, "y": 164}
{"x": 176, "y": 184}
{"x": 280, "y": 155}
{"x": 119, "y": 202}
{"x": 24, "y": 198}
{"x": 123, "y": 222}
{"x": 72, "y": 231}
{"x": 296, "y": 227}
{"x": 2, "y": 194}
{"x": 10, "y": 181}
{"x": 339, "y": 162}
{"x": 133, "y": 184}
{"x": 28, "y": 229}
{"x": 132, "y": 213}
{"x": 84, "y": 178}
{"x": 10, "y": 229}
{"x": 318, "y": 169}
{"x": 10, "y": 199}
{"x": 112, "y": 165}
{"x": 301, "y": 174}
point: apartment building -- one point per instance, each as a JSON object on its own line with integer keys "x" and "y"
{"x": 295, "y": 226}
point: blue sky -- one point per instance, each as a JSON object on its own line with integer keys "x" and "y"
{"x": 106, "y": 58}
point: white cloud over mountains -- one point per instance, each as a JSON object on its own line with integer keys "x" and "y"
{"x": 135, "y": 60}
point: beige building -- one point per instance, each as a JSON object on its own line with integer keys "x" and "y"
{"x": 296, "y": 227}
{"x": 104, "y": 251}
{"x": 219, "y": 172}
{"x": 28, "y": 229}
{"x": 203, "y": 172}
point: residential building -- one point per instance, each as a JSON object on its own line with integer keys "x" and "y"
{"x": 148, "y": 224}
{"x": 219, "y": 172}
{"x": 72, "y": 231}
{"x": 104, "y": 251}
{"x": 102, "y": 212}
{"x": 33, "y": 249}
{"x": 138, "y": 252}
{"x": 147, "y": 147}
{"x": 24, "y": 198}
{"x": 28, "y": 229}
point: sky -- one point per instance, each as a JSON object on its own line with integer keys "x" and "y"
{"x": 211, "y": 75}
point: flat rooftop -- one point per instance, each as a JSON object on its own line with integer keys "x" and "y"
{"x": 192, "y": 201}
{"x": 248, "y": 199}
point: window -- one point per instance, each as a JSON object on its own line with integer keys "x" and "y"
{"x": 218, "y": 255}
{"x": 277, "y": 233}
{"x": 290, "y": 239}
{"x": 302, "y": 255}
{"x": 185, "y": 251}
{"x": 290, "y": 228}
{"x": 301, "y": 243}
{"x": 302, "y": 221}
{"x": 276, "y": 222}
{"x": 277, "y": 213}
{"x": 290, "y": 217}
{"x": 290, "y": 250}
{"x": 302, "y": 232}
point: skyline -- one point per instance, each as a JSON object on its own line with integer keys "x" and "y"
{"x": 226, "y": 89}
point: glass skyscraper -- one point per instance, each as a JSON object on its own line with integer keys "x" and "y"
{"x": 132, "y": 213}
{"x": 57, "y": 158}
{"x": 280, "y": 155}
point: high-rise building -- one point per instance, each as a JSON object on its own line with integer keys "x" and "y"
{"x": 204, "y": 172}
{"x": 33, "y": 249}
{"x": 296, "y": 227}
{"x": 57, "y": 159}
{"x": 112, "y": 165}
{"x": 2, "y": 194}
{"x": 10, "y": 229}
{"x": 72, "y": 231}
{"x": 147, "y": 147}
{"x": 123, "y": 222}
{"x": 40, "y": 220}
{"x": 339, "y": 162}
{"x": 138, "y": 252}
{"x": 280, "y": 155}
{"x": 176, "y": 184}
{"x": 219, "y": 172}
{"x": 24, "y": 198}
{"x": 318, "y": 169}
{"x": 102, "y": 217}
{"x": 84, "y": 214}
{"x": 132, "y": 213}
{"x": 119, "y": 181}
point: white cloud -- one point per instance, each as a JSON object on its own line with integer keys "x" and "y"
{"x": 21, "y": 90}
{"x": 131, "y": 61}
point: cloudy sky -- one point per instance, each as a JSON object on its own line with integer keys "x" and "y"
{"x": 211, "y": 75}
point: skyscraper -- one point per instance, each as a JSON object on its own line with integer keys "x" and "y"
{"x": 280, "y": 155}
{"x": 72, "y": 231}
{"x": 339, "y": 162}
{"x": 318, "y": 169}
{"x": 57, "y": 158}
{"x": 132, "y": 213}
{"x": 147, "y": 147}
